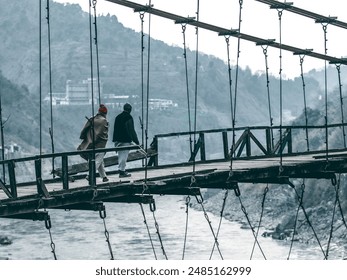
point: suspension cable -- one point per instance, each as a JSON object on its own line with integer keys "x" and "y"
{"x": 337, "y": 187}
{"x": 265, "y": 50}
{"x": 234, "y": 185}
{"x": 51, "y": 129}
{"x": 186, "y": 227}
{"x": 325, "y": 28}
{"x": 158, "y": 233}
{"x": 237, "y": 192}
{"x": 338, "y": 68}
{"x": 196, "y": 77}
{"x": 152, "y": 207}
{"x": 40, "y": 71}
{"x": 2, "y": 140}
{"x": 184, "y": 27}
{"x": 147, "y": 88}
{"x": 237, "y": 59}
{"x": 97, "y": 50}
{"x": 192, "y": 178}
{"x": 200, "y": 201}
{"x": 280, "y": 13}
{"x": 234, "y": 102}
{"x": 304, "y": 94}
{"x": 142, "y": 14}
{"x": 261, "y": 218}
{"x": 91, "y": 62}
{"x": 220, "y": 220}
{"x": 300, "y": 198}
{"x": 145, "y": 135}
{"x": 227, "y": 41}
{"x": 48, "y": 225}
{"x": 250, "y": 225}
{"x": 92, "y": 182}
{"x": 307, "y": 217}
{"x": 102, "y": 214}
{"x": 148, "y": 231}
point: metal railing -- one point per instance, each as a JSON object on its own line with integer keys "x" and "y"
{"x": 258, "y": 141}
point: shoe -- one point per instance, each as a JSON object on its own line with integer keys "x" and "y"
{"x": 123, "y": 174}
{"x": 105, "y": 179}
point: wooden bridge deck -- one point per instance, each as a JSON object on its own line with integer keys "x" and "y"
{"x": 171, "y": 180}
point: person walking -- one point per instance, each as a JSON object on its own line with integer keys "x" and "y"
{"x": 123, "y": 135}
{"x": 96, "y": 126}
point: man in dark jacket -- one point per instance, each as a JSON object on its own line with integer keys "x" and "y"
{"x": 123, "y": 135}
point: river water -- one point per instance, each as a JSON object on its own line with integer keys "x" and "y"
{"x": 80, "y": 235}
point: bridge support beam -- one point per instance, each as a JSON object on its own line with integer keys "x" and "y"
{"x": 143, "y": 199}
{"x": 34, "y": 216}
{"x": 93, "y": 206}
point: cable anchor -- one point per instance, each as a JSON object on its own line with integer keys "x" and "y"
{"x": 48, "y": 223}
{"x": 199, "y": 198}
{"x": 48, "y": 226}
{"x": 152, "y": 206}
{"x": 233, "y": 185}
{"x": 102, "y": 212}
{"x": 142, "y": 15}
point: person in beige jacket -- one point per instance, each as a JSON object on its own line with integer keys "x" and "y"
{"x": 100, "y": 132}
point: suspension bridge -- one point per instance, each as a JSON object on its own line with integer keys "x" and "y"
{"x": 252, "y": 154}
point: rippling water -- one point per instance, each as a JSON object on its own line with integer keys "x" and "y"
{"x": 81, "y": 235}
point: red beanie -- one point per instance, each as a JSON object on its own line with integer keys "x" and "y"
{"x": 102, "y": 109}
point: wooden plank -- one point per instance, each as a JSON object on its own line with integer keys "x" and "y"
{"x": 176, "y": 180}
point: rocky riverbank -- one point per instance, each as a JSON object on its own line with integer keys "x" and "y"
{"x": 277, "y": 210}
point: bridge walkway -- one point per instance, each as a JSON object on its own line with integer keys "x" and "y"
{"x": 172, "y": 179}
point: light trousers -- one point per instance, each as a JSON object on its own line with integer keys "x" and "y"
{"x": 122, "y": 155}
{"x": 99, "y": 164}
